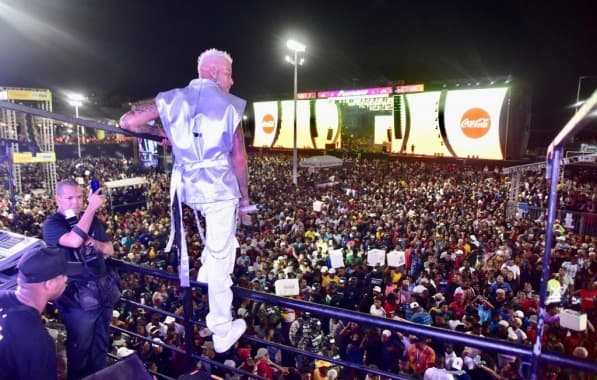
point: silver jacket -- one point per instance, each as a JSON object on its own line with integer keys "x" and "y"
{"x": 200, "y": 121}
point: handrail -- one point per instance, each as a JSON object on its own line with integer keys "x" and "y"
{"x": 367, "y": 319}
{"x": 74, "y": 120}
{"x": 554, "y": 155}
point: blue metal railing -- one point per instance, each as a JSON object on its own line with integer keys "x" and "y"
{"x": 495, "y": 345}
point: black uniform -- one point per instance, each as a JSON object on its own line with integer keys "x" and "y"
{"x": 27, "y": 351}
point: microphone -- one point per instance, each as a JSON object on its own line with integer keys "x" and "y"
{"x": 250, "y": 208}
{"x": 246, "y": 219}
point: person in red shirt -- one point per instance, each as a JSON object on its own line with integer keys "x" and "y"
{"x": 457, "y": 306}
{"x": 588, "y": 298}
{"x": 390, "y": 305}
{"x": 265, "y": 367}
{"x": 420, "y": 356}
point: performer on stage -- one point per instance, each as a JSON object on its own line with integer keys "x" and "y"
{"x": 202, "y": 124}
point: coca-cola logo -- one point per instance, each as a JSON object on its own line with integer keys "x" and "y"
{"x": 267, "y": 123}
{"x": 475, "y": 123}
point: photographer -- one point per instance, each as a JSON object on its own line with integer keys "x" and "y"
{"x": 87, "y": 304}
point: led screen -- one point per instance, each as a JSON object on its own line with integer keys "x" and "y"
{"x": 266, "y": 123}
{"x": 303, "y": 136}
{"x": 472, "y": 120}
{"x": 327, "y": 122}
{"x": 448, "y": 123}
{"x": 357, "y": 119}
{"x": 384, "y": 129}
{"x": 424, "y": 136}
{"x": 148, "y": 152}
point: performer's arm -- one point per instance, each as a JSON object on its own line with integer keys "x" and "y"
{"x": 240, "y": 165}
{"x": 136, "y": 120}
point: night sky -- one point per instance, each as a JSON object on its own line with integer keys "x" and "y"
{"x": 132, "y": 49}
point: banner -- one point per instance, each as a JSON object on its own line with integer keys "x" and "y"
{"x": 336, "y": 258}
{"x": 287, "y": 287}
{"x": 27, "y": 157}
{"x": 26, "y": 94}
{"x": 396, "y": 258}
{"x": 376, "y": 257}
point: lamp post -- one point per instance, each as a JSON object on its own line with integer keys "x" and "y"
{"x": 296, "y": 47}
{"x": 580, "y": 79}
{"x": 76, "y": 100}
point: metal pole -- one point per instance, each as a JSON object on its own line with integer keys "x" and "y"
{"x": 294, "y": 152}
{"x": 580, "y": 78}
{"x": 551, "y": 172}
{"x": 78, "y": 133}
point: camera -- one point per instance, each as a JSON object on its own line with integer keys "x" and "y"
{"x": 87, "y": 253}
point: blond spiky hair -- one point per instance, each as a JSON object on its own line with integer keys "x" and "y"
{"x": 212, "y": 53}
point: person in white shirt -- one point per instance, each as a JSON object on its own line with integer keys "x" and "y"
{"x": 377, "y": 309}
{"x": 438, "y": 372}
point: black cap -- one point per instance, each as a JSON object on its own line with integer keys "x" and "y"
{"x": 43, "y": 264}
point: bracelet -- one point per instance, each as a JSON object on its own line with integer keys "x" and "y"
{"x": 82, "y": 234}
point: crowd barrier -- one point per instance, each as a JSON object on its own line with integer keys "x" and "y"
{"x": 523, "y": 352}
{"x": 583, "y": 223}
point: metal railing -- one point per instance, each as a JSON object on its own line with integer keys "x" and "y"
{"x": 582, "y": 223}
{"x": 484, "y": 343}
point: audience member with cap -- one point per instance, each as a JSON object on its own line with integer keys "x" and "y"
{"x": 27, "y": 350}
{"x": 420, "y": 315}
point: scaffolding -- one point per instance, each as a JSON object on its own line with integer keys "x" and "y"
{"x": 42, "y": 128}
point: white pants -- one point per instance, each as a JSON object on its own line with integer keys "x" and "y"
{"x": 218, "y": 260}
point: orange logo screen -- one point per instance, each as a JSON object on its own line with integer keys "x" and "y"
{"x": 267, "y": 123}
{"x": 475, "y": 123}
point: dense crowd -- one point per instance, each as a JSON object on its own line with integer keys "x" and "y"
{"x": 467, "y": 267}
{"x": 88, "y": 139}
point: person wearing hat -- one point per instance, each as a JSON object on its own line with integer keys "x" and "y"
{"x": 27, "y": 350}
{"x": 264, "y": 366}
{"x": 420, "y": 315}
{"x": 321, "y": 370}
{"x": 390, "y": 351}
{"x": 454, "y": 365}
{"x": 331, "y": 276}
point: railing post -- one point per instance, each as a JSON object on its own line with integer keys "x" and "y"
{"x": 188, "y": 327}
{"x": 551, "y": 173}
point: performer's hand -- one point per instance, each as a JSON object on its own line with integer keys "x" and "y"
{"x": 164, "y": 142}
{"x": 241, "y": 204}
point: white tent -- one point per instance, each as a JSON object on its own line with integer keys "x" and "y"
{"x": 126, "y": 182}
{"x": 321, "y": 162}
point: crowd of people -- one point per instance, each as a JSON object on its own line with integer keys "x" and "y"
{"x": 468, "y": 268}
{"x": 88, "y": 139}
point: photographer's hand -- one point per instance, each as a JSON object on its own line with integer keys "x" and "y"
{"x": 95, "y": 199}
